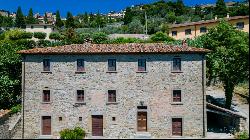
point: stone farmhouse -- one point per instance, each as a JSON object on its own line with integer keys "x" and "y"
{"x": 45, "y": 28}
{"x": 130, "y": 90}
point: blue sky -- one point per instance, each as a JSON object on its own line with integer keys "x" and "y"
{"x": 80, "y": 6}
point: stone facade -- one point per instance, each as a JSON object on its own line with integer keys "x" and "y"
{"x": 153, "y": 87}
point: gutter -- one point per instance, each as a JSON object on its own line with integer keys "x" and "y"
{"x": 23, "y": 92}
{"x": 203, "y": 93}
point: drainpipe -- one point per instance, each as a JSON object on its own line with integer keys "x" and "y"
{"x": 23, "y": 92}
{"x": 203, "y": 93}
{"x": 194, "y": 30}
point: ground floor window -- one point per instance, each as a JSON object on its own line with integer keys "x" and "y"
{"x": 177, "y": 126}
{"x": 142, "y": 121}
{"x": 46, "y": 125}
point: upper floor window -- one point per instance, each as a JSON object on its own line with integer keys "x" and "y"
{"x": 31, "y": 27}
{"x": 188, "y": 32}
{"x": 203, "y": 30}
{"x": 111, "y": 96}
{"x": 240, "y": 25}
{"x": 111, "y": 64}
{"x": 176, "y": 95}
{"x": 80, "y": 96}
{"x": 46, "y": 65}
{"x": 45, "y": 27}
{"x": 141, "y": 64}
{"x": 177, "y": 64}
{"x": 80, "y": 65}
{"x": 46, "y": 95}
{"x": 174, "y": 33}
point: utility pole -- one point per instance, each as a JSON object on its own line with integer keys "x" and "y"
{"x": 146, "y": 26}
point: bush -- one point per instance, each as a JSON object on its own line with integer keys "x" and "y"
{"x": 40, "y": 35}
{"x": 161, "y": 37}
{"x": 121, "y": 40}
{"x": 17, "y": 34}
{"x": 16, "y": 109}
{"x": 43, "y": 43}
{"x": 99, "y": 37}
{"x": 76, "y": 133}
{"x": 242, "y": 135}
{"x": 27, "y": 35}
{"x": 56, "y": 36}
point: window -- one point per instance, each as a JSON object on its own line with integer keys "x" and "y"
{"x": 31, "y": 27}
{"x": 111, "y": 96}
{"x": 60, "y": 118}
{"x": 80, "y": 95}
{"x": 240, "y": 25}
{"x": 177, "y": 64}
{"x": 203, "y": 30}
{"x": 113, "y": 118}
{"x": 177, "y": 126}
{"x": 45, "y": 27}
{"x": 176, "y": 95}
{"x": 46, "y": 95}
{"x": 174, "y": 33}
{"x": 141, "y": 64}
{"x": 80, "y": 65}
{"x": 188, "y": 32}
{"x": 111, "y": 65}
{"x": 46, "y": 65}
{"x": 80, "y": 119}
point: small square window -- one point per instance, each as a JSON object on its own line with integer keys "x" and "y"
{"x": 203, "y": 30}
{"x": 31, "y": 27}
{"x": 46, "y": 95}
{"x": 45, "y": 27}
{"x": 176, "y": 95}
{"x": 80, "y": 119}
{"x": 60, "y": 118}
{"x": 174, "y": 33}
{"x": 240, "y": 25}
{"x": 177, "y": 64}
{"x": 141, "y": 64}
{"x": 46, "y": 65}
{"x": 80, "y": 95}
{"x": 113, "y": 118}
{"x": 111, "y": 96}
{"x": 80, "y": 65}
{"x": 188, "y": 32}
{"x": 111, "y": 64}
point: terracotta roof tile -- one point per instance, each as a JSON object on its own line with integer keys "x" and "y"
{"x": 88, "y": 48}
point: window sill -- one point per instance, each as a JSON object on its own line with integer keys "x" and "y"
{"x": 79, "y": 72}
{"x": 176, "y": 71}
{"x": 111, "y": 72}
{"x": 141, "y": 71}
{"x": 80, "y": 103}
{"x": 46, "y": 102}
{"x": 111, "y": 103}
{"x": 46, "y": 72}
{"x": 177, "y": 103}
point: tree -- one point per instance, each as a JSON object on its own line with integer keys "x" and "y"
{"x": 180, "y": 8}
{"x": 20, "y": 22}
{"x": 220, "y": 8}
{"x": 30, "y": 18}
{"x": 55, "y": 36}
{"x": 99, "y": 37}
{"x": 170, "y": 17}
{"x": 135, "y": 27}
{"x": 45, "y": 18}
{"x": 128, "y": 16}
{"x": 229, "y": 57}
{"x": 161, "y": 37}
{"x": 59, "y": 22}
{"x": 70, "y": 21}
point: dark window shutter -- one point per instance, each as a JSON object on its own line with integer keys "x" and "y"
{"x": 46, "y": 95}
{"x": 111, "y": 96}
{"x": 80, "y": 95}
{"x": 80, "y": 65}
{"x": 141, "y": 64}
{"x": 46, "y": 65}
{"x": 176, "y": 95}
{"x": 111, "y": 65}
{"x": 177, "y": 64}
{"x": 177, "y": 126}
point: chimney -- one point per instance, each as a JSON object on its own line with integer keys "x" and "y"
{"x": 184, "y": 42}
{"x": 227, "y": 15}
{"x": 215, "y": 17}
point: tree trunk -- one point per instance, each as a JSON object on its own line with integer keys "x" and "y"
{"x": 229, "y": 88}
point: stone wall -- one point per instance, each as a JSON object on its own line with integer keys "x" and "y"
{"x": 153, "y": 87}
{"x": 4, "y": 126}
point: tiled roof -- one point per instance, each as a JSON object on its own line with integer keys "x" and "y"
{"x": 207, "y": 21}
{"x": 88, "y": 48}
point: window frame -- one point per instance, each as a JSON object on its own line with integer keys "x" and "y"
{"x": 174, "y": 32}
{"x": 84, "y": 96}
{"x": 142, "y": 65}
{"x": 202, "y": 29}
{"x": 43, "y": 96}
{"x": 187, "y": 31}
{"x": 46, "y": 65}
{"x": 174, "y": 63}
{"x": 173, "y": 97}
{"x": 108, "y": 96}
{"x": 81, "y": 67}
{"x": 240, "y": 25}
{"x": 182, "y": 126}
{"x": 112, "y": 65}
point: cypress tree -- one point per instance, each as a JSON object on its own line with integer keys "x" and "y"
{"x": 59, "y": 22}
{"x": 220, "y": 8}
{"x": 20, "y": 22}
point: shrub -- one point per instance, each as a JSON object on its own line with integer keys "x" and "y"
{"x": 161, "y": 37}
{"x": 56, "y": 36}
{"x": 17, "y": 34}
{"x": 43, "y": 43}
{"x": 16, "y": 109}
{"x": 40, "y": 35}
{"x": 76, "y": 133}
{"x": 242, "y": 135}
{"x": 99, "y": 37}
{"x": 121, "y": 40}
{"x": 26, "y": 35}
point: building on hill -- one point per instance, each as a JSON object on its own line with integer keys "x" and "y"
{"x": 194, "y": 29}
{"x": 115, "y": 90}
{"x": 45, "y": 28}
{"x": 4, "y": 13}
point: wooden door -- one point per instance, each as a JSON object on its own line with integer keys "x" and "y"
{"x": 97, "y": 125}
{"x": 142, "y": 121}
{"x": 46, "y": 125}
{"x": 177, "y": 126}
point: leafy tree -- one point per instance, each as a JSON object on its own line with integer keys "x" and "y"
{"x": 128, "y": 16}
{"x": 59, "y": 22}
{"x": 135, "y": 27}
{"x": 55, "y": 36}
{"x": 220, "y": 8}
{"x": 229, "y": 57}
{"x": 170, "y": 17}
{"x": 70, "y": 21}
{"x": 40, "y": 35}
{"x": 30, "y": 18}
{"x": 6, "y": 21}
{"x": 99, "y": 37}
{"x": 20, "y": 22}
{"x": 180, "y": 8}
{"x": 161, "y": 37}
{"x": 195, "y": 18}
